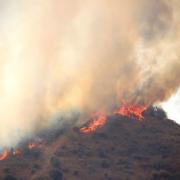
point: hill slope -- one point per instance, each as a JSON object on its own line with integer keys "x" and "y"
{"x": 123, "y": 149}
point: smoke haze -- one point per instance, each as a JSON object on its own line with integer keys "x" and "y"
{"x": 57, "y": 56}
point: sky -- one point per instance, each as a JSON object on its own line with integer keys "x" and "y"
{"x": 172, "y": 107}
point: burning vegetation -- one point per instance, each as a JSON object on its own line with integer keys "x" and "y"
{"x": 98, "y": 120}
{"x": 3, "y": 155}
{"x": 15, "y": 152}
{"x": 127, "y": 110}
{"x": 100, "y": 155}
{"x": 131, "y": 111}
{"x": 31, "y": 146}
{"x": 136, "y": 58}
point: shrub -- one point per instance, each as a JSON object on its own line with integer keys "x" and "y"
{"x": 155, "y": 112}
{"x": 56, "y": 174}
{"x": 105, "y": 164}
{"x": 9, "y": 177}
{"x": 55, "y": 162}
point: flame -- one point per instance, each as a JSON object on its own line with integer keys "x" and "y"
{"x": 130, "y": 111}
{"x": 4, "y": 155}
{"x": 16, "y": 152}
{"x": 98, "y": 121}
{"x": 31, "y": 146}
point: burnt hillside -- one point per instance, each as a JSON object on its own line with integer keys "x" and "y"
{"x": 123, "y": 149}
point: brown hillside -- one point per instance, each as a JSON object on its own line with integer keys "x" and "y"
{"x": 123, "y": 149}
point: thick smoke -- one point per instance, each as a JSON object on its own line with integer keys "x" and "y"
{"x": 57, "y": 56}
{"x": 158, "y": 52}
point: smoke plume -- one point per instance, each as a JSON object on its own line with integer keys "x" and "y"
{"x": 57, "y": 56}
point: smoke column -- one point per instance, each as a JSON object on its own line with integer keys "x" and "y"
{"x": 59, "y": 55}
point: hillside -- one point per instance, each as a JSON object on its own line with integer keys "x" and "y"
{"x": 123, "y": 149}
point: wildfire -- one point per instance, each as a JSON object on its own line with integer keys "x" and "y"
{"x": 31, "y": 146}
{"x": 98, "y": 121}
{"x": 16, "y": 152}
{"x": 3, "y": 155}
{"x": 126, "y": 109}
{"x": 131, "y": 111}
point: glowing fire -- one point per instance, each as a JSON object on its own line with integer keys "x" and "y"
{"x": 98, "y": 121}
{"x": 31, "y": 146}
{"x": 131, "y": 111}
{"x": 126, "y": 109}
{"x": 16, "y": 152}
{"x": 3, "y": 155}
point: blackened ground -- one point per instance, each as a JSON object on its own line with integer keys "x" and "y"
{"x": 123, "y": 149}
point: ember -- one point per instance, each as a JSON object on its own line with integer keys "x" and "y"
{"x": 31, "y": 146}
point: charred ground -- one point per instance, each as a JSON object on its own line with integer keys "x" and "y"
{"x": 123, "y": 149}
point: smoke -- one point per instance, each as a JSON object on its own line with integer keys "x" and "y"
{"x": 159, "y": 55}
{"x": 57, "y": 56}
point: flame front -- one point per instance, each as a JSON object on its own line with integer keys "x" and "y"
{"x": 4, "y": 155}
{"x": 16, "y": 152}
{"x": 131, "y": 111}
{"x": 128, "y": 110}
{"x": 98, "y": 121}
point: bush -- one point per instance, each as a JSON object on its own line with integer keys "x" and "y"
{"x": 6, "y": 170}
{"x": 163, "y": 175}
{"x": 105, "y": 164}
{"x": 102, "y": 153}
{"x": 9, "y": 177}
{"x": 76, "y": 173}
{"x": 55, "y": 162}
{"x": 155, "y": 112}
{"x": 34, "y": 153}
{"x": 56, "y": 174}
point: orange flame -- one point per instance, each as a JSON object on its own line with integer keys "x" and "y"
{"x": 16, "y": 152}
{"x": 131, "y": 111}
{"x": 31, "y": 146}
{"x": 98, "y": 121}
{"x": 4, "y": 155}
{"x": 128, "y": 110}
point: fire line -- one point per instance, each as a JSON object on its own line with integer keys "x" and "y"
{"x": 127, "y": 110}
